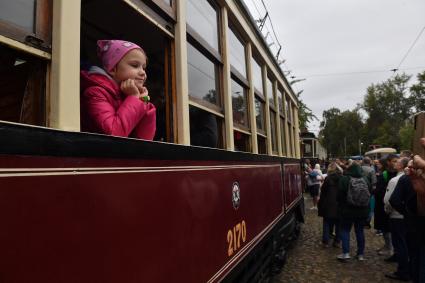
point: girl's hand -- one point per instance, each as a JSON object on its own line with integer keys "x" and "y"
{"x": 144, "y": 94}
{"x": 128, "y": 87}
{"x": 418, "y": 162}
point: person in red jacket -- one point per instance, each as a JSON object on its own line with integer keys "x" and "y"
{"x": 114, "y": 100}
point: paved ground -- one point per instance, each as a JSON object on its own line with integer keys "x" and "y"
{"x": 308, "y": 261}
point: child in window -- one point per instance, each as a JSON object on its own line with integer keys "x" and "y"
{"x": 114, "y": 100}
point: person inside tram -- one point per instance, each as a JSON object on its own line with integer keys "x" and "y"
{"x": 114, "y": 99}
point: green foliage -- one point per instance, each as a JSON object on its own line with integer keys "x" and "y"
{"x": 305, "y": 115}
{"x": 418, "y": 93}
{"x": 406, "y": 136}
{"x": 388, "y": 106}
{"x": 340, "y": 132}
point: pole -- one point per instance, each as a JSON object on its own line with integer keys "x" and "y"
{"x": 360, "y": 148}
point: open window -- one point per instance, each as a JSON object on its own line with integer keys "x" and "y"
{"x": 23, "y": 87}
{"x": 112, "y": 19}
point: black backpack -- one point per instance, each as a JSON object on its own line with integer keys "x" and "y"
{"x": 358, "y": 192}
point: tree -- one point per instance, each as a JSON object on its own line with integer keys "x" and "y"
{"x": 341, "y": 132}
{"x": 417, "y": 92}
{"x": 406, "y": 136}
{"x": 388, "y": 107}
{"x": 305, "y": 115}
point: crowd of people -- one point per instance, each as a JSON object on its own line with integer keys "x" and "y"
{"x": 386, "y": 194}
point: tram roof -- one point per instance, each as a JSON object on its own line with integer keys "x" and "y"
{"x": 247, "y": 13}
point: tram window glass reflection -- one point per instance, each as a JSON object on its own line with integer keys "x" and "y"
{"x": 205, "y": 128}
{"x": 280, "y": 96}
{"x": 22, "y": 18}
{"x": 259, "y": 115}
{"x": 202, "y": 76}
{"x": 23, "y": 88}
{"x": 202, "y": 18}
{"x": 288, "y": 110}
{"x": 273, "y": 130}
{"x": 257, "y": 76}
{"x": 237, "y": 53}
{"x": 270, "y": 93}
{"x": 156, "y": 44}
{"x": 239, "y": 105}
{"x": 20, "y": 13}
{"x": 262, "y": 146}
{"x": 242, "y": 141}
{"x": 283, "y": 135}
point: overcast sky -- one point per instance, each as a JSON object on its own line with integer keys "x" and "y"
{"x": 322, "y": 40}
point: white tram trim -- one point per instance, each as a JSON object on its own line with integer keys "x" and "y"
{"x": 24, "y": 172}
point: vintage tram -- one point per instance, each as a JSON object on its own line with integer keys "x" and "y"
{"x": 215, "y": 197}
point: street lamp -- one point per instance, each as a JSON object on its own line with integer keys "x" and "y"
{"x": 360, "y": 147}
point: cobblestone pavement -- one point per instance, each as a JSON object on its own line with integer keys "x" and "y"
{"x": 309, "y": 261}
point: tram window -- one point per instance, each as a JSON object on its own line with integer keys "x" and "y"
{"x": 203, "y": 20}
{"x": 237, "y": 53}
{"x": 239, "y": 105}
{"x": 270, "y": 93}
{"x": 262, "y": 147}
{"x": 22, "y": 18}
{"x": 205, "y": 128}
{"x": 282, "y": 135}
{"x": 242, "y": 141}
{"x": 257, "y": 76}
{"x": 281, "y": 104}
{"x": 259, "y": 115}
{"x": 290, "y": 139}
{"x": 22, "y": 84}
{"x": 202, "y": 77}
{"x": 273, "y": 130}
{"x": 288, "y": 110}
{"x": 156, "y": 44}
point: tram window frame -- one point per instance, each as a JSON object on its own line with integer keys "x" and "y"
{"x": 280, "y": 100}
{"x": 213, "y": 55}
{"x": 272, "y": 110}
{"x": 239, "y": 78}
{"x": 41, "y": 35}
{"x": 170, "y": 10}
{"x": 159, "y": 49}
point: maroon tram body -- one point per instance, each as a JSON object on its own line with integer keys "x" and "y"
{"x": 77, "y": 207}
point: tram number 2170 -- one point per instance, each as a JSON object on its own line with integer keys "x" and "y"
{"x": 235, "y": 237}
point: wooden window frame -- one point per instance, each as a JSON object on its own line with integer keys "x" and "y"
{"x": 202, "y": 46}
{"x": 169, "y": 10}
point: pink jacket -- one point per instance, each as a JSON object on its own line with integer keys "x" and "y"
{"x": 106, "y": 110}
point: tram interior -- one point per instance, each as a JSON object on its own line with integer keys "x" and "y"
{"x": 22, "y": 84}
{"x": 111, "y": 19}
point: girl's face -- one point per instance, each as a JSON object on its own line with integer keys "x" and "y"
{"x": 132, "y": 66}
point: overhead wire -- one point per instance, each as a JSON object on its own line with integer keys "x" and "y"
{"x": 410, "y": 48}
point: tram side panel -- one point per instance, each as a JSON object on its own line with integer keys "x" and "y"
{"x": 292, "y": 179}
{"x": 186, "y": 223}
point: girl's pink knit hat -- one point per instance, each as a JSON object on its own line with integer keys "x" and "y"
{"x": 111, "y": 52}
